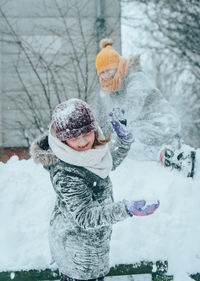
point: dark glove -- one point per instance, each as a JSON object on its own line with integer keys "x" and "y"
{"x": 182, "y": 159}
{"x": 139, "y": 208}
{"x": 119, "y": 123}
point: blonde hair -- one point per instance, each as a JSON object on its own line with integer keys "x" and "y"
{"x": 98, "y": 141}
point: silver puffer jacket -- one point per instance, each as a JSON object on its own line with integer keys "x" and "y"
{"x": 152, "y": 120}
{"x": 81, "y": 223}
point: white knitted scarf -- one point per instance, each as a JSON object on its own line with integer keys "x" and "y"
{"x": 97, "y": 160}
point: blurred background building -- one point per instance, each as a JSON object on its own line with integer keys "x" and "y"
{"x": 47, "y": 55}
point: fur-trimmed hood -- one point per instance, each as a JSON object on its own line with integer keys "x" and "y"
{"x": 41, "y": 152}
{"x": 48, "y": 150}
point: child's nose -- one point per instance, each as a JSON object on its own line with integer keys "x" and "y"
{"x": 82, "y": 141}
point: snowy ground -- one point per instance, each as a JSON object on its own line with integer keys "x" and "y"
{"x": 139, "y": 277}
{"x": 172, "y": 233}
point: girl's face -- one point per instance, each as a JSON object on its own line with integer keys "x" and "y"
{"x": 108, "y": 74}
{"x": 82, "y": 143}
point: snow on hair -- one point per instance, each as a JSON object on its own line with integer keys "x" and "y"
{"x": 106, "y": 42}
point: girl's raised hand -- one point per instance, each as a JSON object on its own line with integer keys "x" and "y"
{"x": 119, "y": 124}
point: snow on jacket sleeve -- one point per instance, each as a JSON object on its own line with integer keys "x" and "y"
{"x": 151, "y": 117}
{"x": 119, "y": 150}
{"x": 76, "y": 196}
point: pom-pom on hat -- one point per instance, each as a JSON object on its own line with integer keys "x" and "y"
{"x": 107, "y": 58}
{"x": 72, "y": 118}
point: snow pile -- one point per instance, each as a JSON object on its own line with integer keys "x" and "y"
{"x": 172, "y": 233}
{"x": 25, "y": 206}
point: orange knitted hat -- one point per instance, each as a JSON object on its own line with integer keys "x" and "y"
{"x": 107, "y": 58}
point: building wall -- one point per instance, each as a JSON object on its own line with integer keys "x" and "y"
{"x": 40, "y": 26}
{"x": 1, "y": 93}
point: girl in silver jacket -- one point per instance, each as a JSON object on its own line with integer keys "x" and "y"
{"x": 152, "y": 120}
{"x": 79, "y": 161}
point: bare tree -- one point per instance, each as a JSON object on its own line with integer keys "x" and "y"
{"x": 52, "y": 68}
{"x": 176, "y": 25}
{"x": 172, "y": 32}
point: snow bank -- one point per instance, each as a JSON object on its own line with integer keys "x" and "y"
{"x": 172, "y": 233}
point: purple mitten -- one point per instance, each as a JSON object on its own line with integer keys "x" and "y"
{"x": 139, "y": 208}
{"x": 119, "y": 124}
